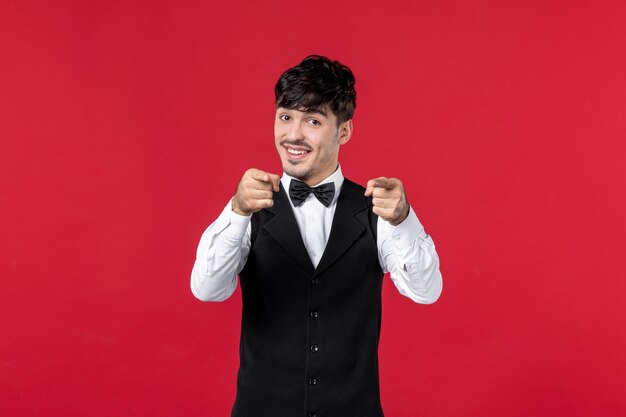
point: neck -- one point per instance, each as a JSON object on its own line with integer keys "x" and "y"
{"x": 313, "y": 181}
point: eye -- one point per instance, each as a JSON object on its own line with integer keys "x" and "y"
{"x": 284, "y": 117}
{"x": 314, "y": 122}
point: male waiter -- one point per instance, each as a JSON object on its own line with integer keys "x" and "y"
{"x": 311, "y": 248}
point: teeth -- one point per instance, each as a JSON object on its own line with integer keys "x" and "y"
{"x": 295, "y": 152}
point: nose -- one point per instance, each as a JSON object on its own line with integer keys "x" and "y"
{"x": 295, "y": 132}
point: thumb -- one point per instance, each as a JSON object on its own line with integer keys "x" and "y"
{"x": 371, "y": 184}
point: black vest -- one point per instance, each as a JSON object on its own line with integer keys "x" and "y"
{"x": 309, "y": 336}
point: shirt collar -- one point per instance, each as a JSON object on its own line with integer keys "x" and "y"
{"x": 336, "y": 177}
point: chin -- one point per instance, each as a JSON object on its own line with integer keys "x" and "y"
{"x": 301, "y": 174}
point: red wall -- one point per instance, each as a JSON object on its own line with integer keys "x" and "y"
{"x": 124, "y": 128}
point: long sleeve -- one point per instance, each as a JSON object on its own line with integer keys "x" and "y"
{"x": 409, "y": 255}
{"x": 221, "y": 255}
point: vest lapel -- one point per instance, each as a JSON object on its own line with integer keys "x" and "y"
{"x": 344, "y": 231}
{"x": 345, "y": 228}
{"x": 284, "y": 229}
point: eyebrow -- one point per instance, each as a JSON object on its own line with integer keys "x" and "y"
{"x": 316, "y": 111}
{"x": 321, "y": 111}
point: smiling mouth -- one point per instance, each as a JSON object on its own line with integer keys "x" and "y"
{"x": 296, "y": 152}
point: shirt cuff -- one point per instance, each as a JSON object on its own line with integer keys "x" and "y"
{"x": 408, "y": 231}
{"x": 230, "y": 224}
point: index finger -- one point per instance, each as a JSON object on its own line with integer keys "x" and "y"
{"x": 275, "y": 180}
{"x": 387, "y": 183}
{"x": 267, "y": 177}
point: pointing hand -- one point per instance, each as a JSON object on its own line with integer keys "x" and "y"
{"x": 255, "y": 191}
{"x": 388, "y": 199}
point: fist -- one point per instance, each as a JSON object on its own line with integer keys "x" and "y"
{"x": 388, "y": 199}
{"x": 255, "y": 192}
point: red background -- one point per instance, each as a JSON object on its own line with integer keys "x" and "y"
{"x": 125, "y": 126}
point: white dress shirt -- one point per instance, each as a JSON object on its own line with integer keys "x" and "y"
{"x": 405, "y": 250}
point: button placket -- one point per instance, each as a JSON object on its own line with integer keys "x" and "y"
{"x": 313, "y": 348}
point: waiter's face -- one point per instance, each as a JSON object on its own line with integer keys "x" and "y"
{"x": 308, "y": 142}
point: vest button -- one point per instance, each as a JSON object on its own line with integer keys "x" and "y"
{"x": 313, "y": 314}
{"x": 314, "y": 348}
{"x": 315, "y": 281}
{"x": 312, "y": 381}
{"x": 312, "y": 415}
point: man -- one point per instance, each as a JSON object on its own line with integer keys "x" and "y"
{"x": 311, "y": 248}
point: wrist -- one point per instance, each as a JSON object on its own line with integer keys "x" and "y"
{"x": 237, "y": 209}
{"x": 403, "y": 216}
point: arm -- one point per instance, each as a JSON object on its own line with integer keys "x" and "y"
{"x": 224, "y": 246}
{"x": 404, "y": 249}
{"x": 221, "y": 255}
{"x": 409, "y": 255}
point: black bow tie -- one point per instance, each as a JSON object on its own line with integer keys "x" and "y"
{"x": 299, "y": 191}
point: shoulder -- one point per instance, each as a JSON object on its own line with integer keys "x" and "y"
{"x": 354, "y": 196}
{"x": 356, "y": 193}
{"x": 352, "y": 187}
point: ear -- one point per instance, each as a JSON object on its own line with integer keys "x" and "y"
{"x": 345, "y": 132}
